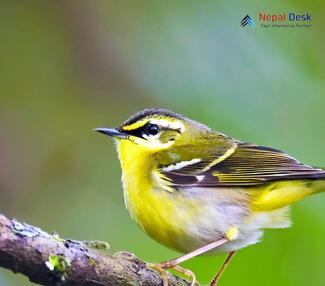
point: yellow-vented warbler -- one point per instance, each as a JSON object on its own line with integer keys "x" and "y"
{"x": 198, "y": 191}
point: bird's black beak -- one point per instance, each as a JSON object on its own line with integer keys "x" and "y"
{"x": 112, "y": 132}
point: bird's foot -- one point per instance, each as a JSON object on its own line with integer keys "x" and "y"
{"x": 161, "y": 268}
{"x": 188, "y": 273}
{"x": 163, "y": 272}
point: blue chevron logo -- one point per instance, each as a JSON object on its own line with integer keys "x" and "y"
{"x": 247, "y": 20}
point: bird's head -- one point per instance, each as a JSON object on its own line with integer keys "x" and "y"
{"x": 164, "y": 135}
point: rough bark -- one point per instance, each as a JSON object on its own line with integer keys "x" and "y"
{"x": 47, "y": 259}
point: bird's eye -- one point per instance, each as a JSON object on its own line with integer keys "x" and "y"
{"x": 152, "y": 129}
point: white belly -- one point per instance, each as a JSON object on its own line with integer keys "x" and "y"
{"x": 222, "y": 209}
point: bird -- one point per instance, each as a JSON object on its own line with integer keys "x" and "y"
{"x": 200, "y": 192}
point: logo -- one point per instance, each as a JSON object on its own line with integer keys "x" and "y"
{"x": 279, "y": 20}
{"x": 247, "y": 20}
{"x": 285, "y": 20}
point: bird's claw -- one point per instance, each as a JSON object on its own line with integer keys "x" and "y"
{"x": 162, "y": 271}
{"x": 161, "y": 268}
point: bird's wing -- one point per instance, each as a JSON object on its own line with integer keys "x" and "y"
{"x": 249, "y": 165}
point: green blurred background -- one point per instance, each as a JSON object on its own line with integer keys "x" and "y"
{"x": 69, "y": 66}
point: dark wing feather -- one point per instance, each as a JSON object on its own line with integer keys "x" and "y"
{"x": 249, "y": 165}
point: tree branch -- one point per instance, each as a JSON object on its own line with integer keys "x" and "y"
{"x": 47, "y": 259}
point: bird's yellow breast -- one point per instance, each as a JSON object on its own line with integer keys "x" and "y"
{"x": 163, "y": 215}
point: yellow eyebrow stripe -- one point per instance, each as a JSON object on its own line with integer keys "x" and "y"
{"x": 161, "y": 121}
{"x": 136, "y": 125}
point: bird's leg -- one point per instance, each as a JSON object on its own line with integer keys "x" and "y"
{"x": 173, "y": 263}
{"x": 216, "y": 278}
